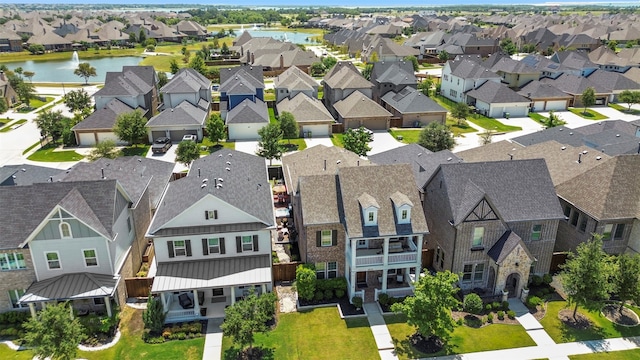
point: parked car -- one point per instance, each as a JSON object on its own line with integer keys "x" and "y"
{"x": 189, "y": 137}
{"x": 368, "y": 132}
{"x": 161, "y": 145}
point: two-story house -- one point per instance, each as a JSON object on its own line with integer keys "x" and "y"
{"x": 240, "y": 83}
{"x": 212, "y": 236}
{"x": 391, "y": 76}
{"x": 66, "y": 241}
{"x": 294, "y": 81}
{"x": 135, "y": 86}
{"x": 187, "y": 85}
{"x": 460, "y": 76}
{"x": 494, "y": 223}
{"x": 341, "y": 81}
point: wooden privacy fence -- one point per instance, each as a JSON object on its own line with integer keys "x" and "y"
{"x": 285, "y": 271}
{"x": 138, "y": 287}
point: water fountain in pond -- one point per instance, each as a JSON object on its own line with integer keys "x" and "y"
{"x": 74, "y": 58}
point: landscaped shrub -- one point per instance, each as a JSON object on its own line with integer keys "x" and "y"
{"x": 328, "y": 294}
{"x": 547, "y": 279}
{"x": 339, "y": 293}
{"x": 505, "y": 305}
{"x": 188, "y": 330}
{"x": 460, "y": 321}
{"x": 318, "y": 296}
{"x": 150, "y": 339}
{"x": 14, "y": 317}
{"x": 383, "y": 299}
{"x": 490, "y": 318}
{"x": 357, "y": 302}
{"x": 501, "y": 315}
{"x": 533, "y": 301}
{"x": 488, "y": 307}
{"x": 495, "y": 305}
{"x": 536, "y": 280}
{"x": 511, "y": 314}
{"x": 305, "y": 282}
{"x": 472, "y": 303}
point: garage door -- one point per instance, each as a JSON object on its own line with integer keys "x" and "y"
{"x": 176, "y": 135}
{"x": 244, "y": 131}
{"x": 157, "y": 134}
{"x": 556, "y": 105}
{"x": 315, "y": 130}
{"x": 375, "y": 124}
{"x": 516, "y": 111}
{"x": 87, "y": 139}
{"x": 110, "y": 136}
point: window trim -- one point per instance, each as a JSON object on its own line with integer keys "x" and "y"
{"x": 68, "y": 227}
{"x": 473, "y": 239}
{"x": 324, "y": 237}
{"x": 607, "y": 235}
{"x": 182, "y": 248}
{"x": 404, "y": 214}
{"x": 95, "y": 256}
{"x": 16, "y": 293}
{"x": 467, "y": 273}
{"x": 46, "y": 259}
{"x": 216, "y": 247}
{"x": 327, "y": 270}
{"x": 534, "y": 232}
{"x": 16, "y": 261}
{"x": 615, "y": 232}
{"x": 244, "y": 243}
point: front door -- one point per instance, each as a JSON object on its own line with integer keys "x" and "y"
{"x": 361, "y": 278}
{"x": 512, "y": 284}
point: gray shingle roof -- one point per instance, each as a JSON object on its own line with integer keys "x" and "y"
{"x": 467, "y": 69}
{"x": 345, "y": 77}
{"x": 131, "y": 81}
{"x": 305, "y": 109}
{"x": 519, "y": 190}
{"x": 560, "y": 134}
{"x": 393, "y": 72}
{"x": 496, "y": 93}
{"x": 248, "y": 112}
{"x": 183, "y": 114}
{"x": 575, "y": 85}
{"x": 245, "y": 186}
{"x": 410, "y": 100}
{"x": 26, "y": 174}
{"x": 105, "y": 118}
{"x": 186, "y": 80}
{"x": 539, "y": 90}
{"x": 380, "y": 182}
{"x": 318, "y": 199}
{"x": 359, "y": 105}
{"x": 613, "y": 80}
{"x": 293, "y": 77}
{"x": 253, "y": 71}
{"x": 505, "y": 245}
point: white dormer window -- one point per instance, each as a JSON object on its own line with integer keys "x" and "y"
{"x": 404, "y": 214}
{"x": 369, "y": 207}
{"x": 372, "y": 217}
{"x": 403, "y": 206}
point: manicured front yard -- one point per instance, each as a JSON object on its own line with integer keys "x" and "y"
{"x": 47, "y": 154}
{"x": 294, "y": 144}
{"x": 409, "y": 136}
{"x": 464, "y": 339}
{"x": 589, "y": 115}
{"x": 538, "y": 118}
{"x": 615, "y": 355}
{"x": 9, "y": 354}
{"x": 601, "y": 329}
{"x": 624, "y": 109}
{"x": 491, "y": 123}
{"x": 336, "y": 139}
{"x": 315, "y": 334}
{"x": 140, "y": 150}
{"x": 9, "y": 127}
{"x": 211, "y": 147}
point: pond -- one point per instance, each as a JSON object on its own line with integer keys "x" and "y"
{"x": 58, "y": 71}
{"x": 289, "y": 36}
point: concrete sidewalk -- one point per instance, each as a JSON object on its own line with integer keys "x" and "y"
{"x": 380, "y": 332}
{"x": 530, "y": 324}
{"x": 213, "y": 340}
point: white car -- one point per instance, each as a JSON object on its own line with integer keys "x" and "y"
{"x": 189, "y": 137}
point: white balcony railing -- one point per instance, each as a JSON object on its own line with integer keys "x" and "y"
{"x": 369, "y": 260}
{"x": 403, "y": 257}
{"x": 181, "y": 315}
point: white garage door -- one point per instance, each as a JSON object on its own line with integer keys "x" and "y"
{"x": 87, "y": 139}
{"x": 516, "y": 111}
{"x": 110, "y": 136}
{"x": 315, "y": 130}
{"x": 556, "y": 105}
{"x": 244, "y": 131}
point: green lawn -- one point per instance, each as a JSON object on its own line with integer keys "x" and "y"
{"x": 3, "y": 122}
{"x": 409, "y": 136}
{"x": 46, "y": 154}
{"x": 336, "y": 139}
{"x": 294, "y": 144}
{"x": 272, "y": 116}
{"x": 589, "y": 115}
{"x": 36, "y": 103}
{"x": 211, "y": 147}
{"x": 140, "y": 150}
{"x": 10, "y": 126}
{"x": 30, "y": 147}
{"x": 491, "y": 123}
{"x": 315, "y": 334}
{"x": 624, "y": 109}
{"x": 538, "y": 118}
{"x": 463, "y": 340}
{"x": 458, "y": 129}
{"x": 8, "y": 354}
{"x": 615, "y": 355}
{"x": 601, "y": 329}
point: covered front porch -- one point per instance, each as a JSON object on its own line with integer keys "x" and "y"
{"x": 203, "y": 288}
{"x": 87, "y": 292}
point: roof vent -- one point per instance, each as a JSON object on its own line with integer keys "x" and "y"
{"x": 419, "y": 154}
{"x": 584, "y": 152}
{"x": 220, "y": 179}
{"x": 220, "y": 155}
{"x": 598, "y": 157}
{"x": 228, "y": 162}
{"x": 218, "y": 186}
{"x": 338, "y": 162}
{"x": 230, "y": 154}
{"x": 228, "y": 169}
{"x": 560, "y": 129}
{"x": 563, "y": 148}
{"x": 23, "y": 169}
{"x": 203, "y": 186}
{"x": 204, "y": 181}
{"x": 617, "y": 135}
{"x": 571, "y": 133}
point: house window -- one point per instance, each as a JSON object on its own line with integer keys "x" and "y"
{"x": 211, "y": 214}
{"x": 574, "y": 218}
{"x": 65, "y": 230}
{"x": 326, "y": 238}
{"x": 90, "y": 258}
{"x": 14, "y": 296}
{"x": 179, "y": 248}
{"x": 129, "y": 227}
{"x": 217, "y": 292}
{"x": 362, "y": 244}
{"x": 12, "y": 261}
{"x": 328, "y": 270}
{"x": 53, "y": 260}
{"x": 321, "y": 271}
{"x": 98, "y": 301}
{"x": 567, "y": 211}
{"x": 404, "y": 215}
{"x": 478, "y": 236}
{"x": 466, "y": 272}
{"x": 332, "y": 269}
{"x": 214, "y": 246}
{"x": 583, "y": 223}
{"x": 440, "y": 258}
{"x": 478, "y": 274}
{"x": 536, "y": 232}
{"x": 619, "y": 233}
{"x": 606, "y": 233}
{"x": 371, "y": 216}
{"x": 453, "y": 93}
{"x": 247, "y": 243}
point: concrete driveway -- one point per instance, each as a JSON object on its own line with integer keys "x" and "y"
{"x": 383, "y": 141}
{"x": 246, "y": 146}
{"x": 572, "y": 120}
{"x": 614, "y": 114}
{"x": 311, "y": 142}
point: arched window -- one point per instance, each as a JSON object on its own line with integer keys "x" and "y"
{"x": 65, "y": 230}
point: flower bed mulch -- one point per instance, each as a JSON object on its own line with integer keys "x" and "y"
{"x": 625, "y": 318}
{"x": 580, "y": 322}
{"x": 347, "y": 308}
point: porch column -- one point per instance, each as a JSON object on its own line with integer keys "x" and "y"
{"x": 32, "y": 309}
{"x": 196, "y": 304}
{"x": 385, "y": 263}
{"x": 233, "y": 295}
{"x": 164, "y": 302}
{"x": 264, "y": 288}
{"x": 353, "y": 269}
{"x": 419, "y": 241}
{"x": 107, "y": 303}
{"x": 44, "y": 305}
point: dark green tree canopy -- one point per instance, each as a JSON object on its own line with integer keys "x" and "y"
{"x": 187, "y": 152}
{"x": 215, "y": 128}
{"x": 288, "y": 126}
{"x": 436, "y": 137}
{"x": 357, "y": 141}
{"x": 77, "y": 100}
{"x": 131, "y": 127}
{"x": 54, "y": 333}
{"x": 269, "y": 144}
{"x": 85, "y": 70}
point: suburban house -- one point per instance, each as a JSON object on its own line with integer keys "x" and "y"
{"x": 341, "y": 81}
{"x": 545, "y": 97}
{"x": 494, "y": 223}
{"x": 497, "y": 100}
{"x": 514, "y": 73}
{"x": 245, "y": 119}
{"x": 358, "y": 110}
{"x": 393, "y": 76}
{"x": 192, "y": 29}
{"x": 174, "y": 123}
{"x": 413, "y": 107}
{"x": 611, "y": 206}
{"x": 135, "y": 86}
{"x": 427, "y": 42}
{"x": 187, "y": 85}
{"x": 575, "y": 85}
{"x": 212, "y": 236}
{"x": 385, "y": 49}
{"x": 6, "y": 91}
{"x": 460, "y": 76}
{"x": 240, "y": 83}
{"x": 98, "y": 126}
{"x": 312, "y": 116}
{"x": 468, "y": 44}
{"x": 294, "y": 81}
{"x": 614, "y": 82}
{"x": 72, "y": 243}
{"x": 10, "y": 41}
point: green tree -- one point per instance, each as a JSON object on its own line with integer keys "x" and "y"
{"x": 247, "y": 317}
{"x": 357, "y": 141}
{"x": 460, "y": 111}
{"x": 104, "y": 149}
{"x": 3, "y": 106}
{"x": 269, "y": 144}
{"x": 508, "y": 46}
{"x": 429, "y": 309}
{"x": 414, "y": 62}
{"x": 373, "y": 58}
{"x": 162, "y": 79}
{"x": 486, "y": 137}
{"x": 329, "y": 62}
{"x": 225, "y": 48}
{"x": 627, "y": 278}
{"x": 131, "y": 127}
{"x": 153, "y": 316}
{"x": 197, "y": 64}
{"x": 77, "y": 100}
{"x": 173, "y": 65}
{"x": 142, "y": 36}
{"x": 588, "y": 98}
{"x": 629, "y": 97}
{"x": 29, "y": 75}
{"x": 305, "y": 281}
{"x": 288, "y": 126}
{"x": 425, "y": 86}
{"x": 132, "y": 37}
{"x": 85, "y": 70}
{"x": 216, "y": 44}
{"x": 586, "y": 274}
{"x": 36, "y": 49}
{"x": 187, "y": 152}
{"x": 366, "y": 72}
{"x": 612, "y": 45}
{"x": 50, "y": 123}
{"x": 443, "y": 56}
{"x": 54, "y": 333}
{"x": 436, "y": 137}
{"x": 316, "y": 69}
{"x": 552, "y": 120}
{"x": 24, "y": 91}
{"x": 215, "y": 128}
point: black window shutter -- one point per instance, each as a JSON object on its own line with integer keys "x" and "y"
{"x": 334, "y": 237}
{"x": 238, "y": 244}
{"x": 206, "y": 215}
{"x": 187, "y": 244}
{"x": 215, "y": 214}
{"x": 170, "y": 247}
{"x": 255, "y": 242}
{"x": 318, "y": 238}
{"x": 205, "y": 247}
{"x": 222, "y": 251}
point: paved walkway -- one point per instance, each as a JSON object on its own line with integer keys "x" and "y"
{"x": 380, "y": 332}
{"x": 213, "y": 340}
{"x": 531, "y": 325}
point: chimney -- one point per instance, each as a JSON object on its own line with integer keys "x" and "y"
{"x": 241, "y": 50}
{"x": 2, "y": 77}
{"x": 639, "y": 148}
{"x": 358, "y": 163}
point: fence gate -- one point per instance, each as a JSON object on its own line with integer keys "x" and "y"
{"x": 138, "y": 287}
{"x": 285, "y": 271}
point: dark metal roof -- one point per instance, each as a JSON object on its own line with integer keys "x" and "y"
{"x": 71, "y": 287}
